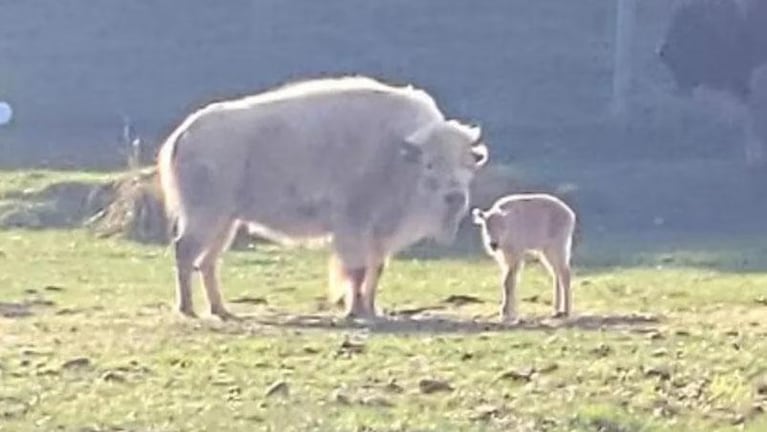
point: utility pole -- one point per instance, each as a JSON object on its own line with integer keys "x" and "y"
{"x": 624, "y": 37}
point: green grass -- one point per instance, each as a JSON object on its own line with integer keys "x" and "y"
{"x": 697, "y": 368}
{"x": 29, "y": 181}
{"x": 668, "y": 336}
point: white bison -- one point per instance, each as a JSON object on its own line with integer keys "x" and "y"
{"x": 374, "y": 167}
{"x": 522, "y": 223}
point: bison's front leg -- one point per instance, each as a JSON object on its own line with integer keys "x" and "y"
{"x": 353, "y": 257}
{"x": 345, "y": 286}
{"x": 370, "y": 286}
{"x": 355, "y": 303}
{"x": 209, "y": 268}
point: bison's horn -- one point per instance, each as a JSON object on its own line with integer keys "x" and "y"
{"x": 478, "y": 139}
{"x": 480, "y": 154}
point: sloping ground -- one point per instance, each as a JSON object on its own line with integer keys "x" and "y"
{"x": 45, "y": 199}
{"x": 129, "y": 205}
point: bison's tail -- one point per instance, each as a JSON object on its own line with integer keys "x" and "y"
{"x": 168, "y": 176}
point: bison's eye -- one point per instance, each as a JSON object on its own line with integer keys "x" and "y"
{"x": 455, "y": 199}
{"x": 431, "y": 183}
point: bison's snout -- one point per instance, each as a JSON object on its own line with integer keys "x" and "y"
{"x": 455, "y": 204}
{"x": 455, "y": 200}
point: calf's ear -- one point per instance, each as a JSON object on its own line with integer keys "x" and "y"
{"x": 478, "y": 216}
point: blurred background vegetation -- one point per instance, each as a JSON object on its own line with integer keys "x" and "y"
{"x": 538, "y": 76}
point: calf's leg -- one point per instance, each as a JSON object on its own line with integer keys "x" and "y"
{"x": 511, "y": 270}
{"x": 558, "y": 261}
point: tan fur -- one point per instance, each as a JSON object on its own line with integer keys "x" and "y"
{"x": 372, "y": 166}
{"x": 523, "y": 223}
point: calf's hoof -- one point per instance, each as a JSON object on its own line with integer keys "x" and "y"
{"x": 223, "y": 314}
{"x": 560, "y": 314}
{"x": 510, "y": 319}
{"x": 186, "y": 312}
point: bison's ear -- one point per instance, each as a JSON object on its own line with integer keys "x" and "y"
{"x": 477, "y": 216}
{"x": 410, "y": 152}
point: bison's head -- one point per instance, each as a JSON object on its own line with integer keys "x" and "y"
{"x": 449, "y": 154}
{"x": 707, "y": 45}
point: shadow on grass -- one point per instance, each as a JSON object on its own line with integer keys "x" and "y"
{"x": 451, "y": 324}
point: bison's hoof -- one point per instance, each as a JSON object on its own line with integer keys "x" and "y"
{"x": 560, "y": 314}
{"x": 353, "y": 316}
{"x": 360, "y": 317}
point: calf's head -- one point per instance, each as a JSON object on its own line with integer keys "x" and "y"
{"x": 491, "y": 224}
{"x": 448, "y": 154}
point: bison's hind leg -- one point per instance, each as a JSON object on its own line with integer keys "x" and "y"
{"x": 220, "y": 238}
{"x": 187, "y": 250}
{"x": 197, "y": 247}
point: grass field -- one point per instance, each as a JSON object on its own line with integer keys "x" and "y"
{"x": 669, "y": 335}
{"x": 89, "y": 342}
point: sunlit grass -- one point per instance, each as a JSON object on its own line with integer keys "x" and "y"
{"x": 697, "y": 368}
{"x": 35, "y": 180}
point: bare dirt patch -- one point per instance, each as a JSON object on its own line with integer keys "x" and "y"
{"x": 24, "y": 308}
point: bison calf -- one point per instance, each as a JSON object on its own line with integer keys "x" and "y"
{"x": 519, "y": 224}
